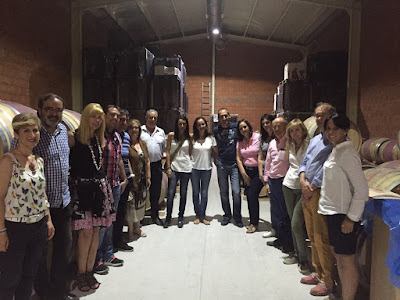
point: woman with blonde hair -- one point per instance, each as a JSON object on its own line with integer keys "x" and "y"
{"x": 140, "y": 163}
{"x": 90, "y": 191}
{"x": 296, "y": 147}
{"x": 25, "y": 222}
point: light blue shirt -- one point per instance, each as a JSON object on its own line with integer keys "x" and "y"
{"x": 317, "y": 153}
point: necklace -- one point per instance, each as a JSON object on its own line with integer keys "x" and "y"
{"x": 97, "y": 166}
{"x": 31, "y": 165}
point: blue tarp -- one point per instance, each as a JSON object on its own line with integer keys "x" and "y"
{"x": 389, "y": 211}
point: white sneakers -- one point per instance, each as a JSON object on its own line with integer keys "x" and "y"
{"x": 269, "y": 234}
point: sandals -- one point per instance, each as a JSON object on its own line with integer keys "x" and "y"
{"x": 92, "y": 281}
{"x": 251, "y": 228}
{"x": 196, "y": 221}
{"x": 82, "y": 283}
{"x": 205, "y": 221}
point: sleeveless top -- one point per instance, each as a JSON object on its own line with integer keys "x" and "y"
{"x": 26, "y": 195}
{"x": 181, "y": 162}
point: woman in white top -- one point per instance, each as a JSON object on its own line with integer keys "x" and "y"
{"x": 296, "y": 147}
{"x": 204, "y": 149}
{"x": 25, "y": 222}
{"x": 179, "y": 167}
{"x": 344, "y": 193}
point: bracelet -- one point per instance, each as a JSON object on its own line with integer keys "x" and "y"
{"x": 3, "y": 230}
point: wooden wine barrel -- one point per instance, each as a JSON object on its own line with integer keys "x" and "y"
{"x": 383, "y": 179}
{"x": 395, "y": 164}
{"x": 71, "y": 119}
{"x": 8, "y": 110}
{"x": 354, "y": 133}
{"x": 370, "y": 149}
{"x": 389, "y": 151}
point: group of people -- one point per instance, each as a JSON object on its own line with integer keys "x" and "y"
{"x": 95, "y": 180}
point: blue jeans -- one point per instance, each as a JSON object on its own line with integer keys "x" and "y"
{"x": 200, "y": 183}
{"x": 279, "y": 214}
{"x": 232, "y": 172}
{"x": 184, "y": 180}
{"x": 106, "y": 250}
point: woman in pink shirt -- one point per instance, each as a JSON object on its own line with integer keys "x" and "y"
{"x": 246, "y": 155}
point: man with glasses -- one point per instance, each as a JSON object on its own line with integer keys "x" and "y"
{"x": 226, "y": 135}
{"x": 311, "y": 173}
{"x": 53, "y": 148}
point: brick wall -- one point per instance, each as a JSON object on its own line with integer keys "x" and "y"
{"x": 35, "y": 55}
{"x": 379, "y": 113}
{"x": 247, "y": 76}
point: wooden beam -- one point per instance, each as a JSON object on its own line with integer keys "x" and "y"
{"x": 339, "y": 4}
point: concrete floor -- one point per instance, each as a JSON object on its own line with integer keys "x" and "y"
{"x": 201, "y": 262}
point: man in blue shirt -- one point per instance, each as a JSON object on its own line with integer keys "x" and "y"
{"x": 53, "y": 148}
{"x": 311, "y": 173}
{"x": 226, "y": 135}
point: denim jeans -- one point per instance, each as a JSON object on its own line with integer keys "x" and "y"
{"x": 184, "y": 180}
{"x": 295, "y": 210}
{"x": 279, "y": 212}
{"x": 252, "y": 191}
{"x": 232, "y": 172}
{"x": 106, "y": 250}
{"x": 200, "y": 183}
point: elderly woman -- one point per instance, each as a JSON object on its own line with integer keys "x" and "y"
{"x": 25, "y": 222}
{"x": 344, "y": 193}
{"x": 140, "y": 163}
{"x": 91, "y": 192}
{"x": 247, "y": 159}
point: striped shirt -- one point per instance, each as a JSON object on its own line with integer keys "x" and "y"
{"x": 111, "y": 157}
{"x": 54, "y": 149}
{"x": 126, "y": 143}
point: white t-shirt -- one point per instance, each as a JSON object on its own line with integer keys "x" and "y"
{"x": 344, "y": 186}
{"x": 292, "y": 180}
{"x": 181, "y": 162}
{"x": 201, "y": 153}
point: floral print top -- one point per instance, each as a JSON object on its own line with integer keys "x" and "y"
{"x": 26, "y": 195}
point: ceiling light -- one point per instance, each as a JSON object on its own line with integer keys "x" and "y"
{"x": 215, "y": 31}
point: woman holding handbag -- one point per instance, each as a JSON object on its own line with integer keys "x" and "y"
{"x": 179, "y": 167}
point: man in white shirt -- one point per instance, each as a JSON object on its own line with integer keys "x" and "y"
{"x": 156, "y": 144}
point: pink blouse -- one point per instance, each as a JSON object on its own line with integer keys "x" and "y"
{"x": 249, "y": 150}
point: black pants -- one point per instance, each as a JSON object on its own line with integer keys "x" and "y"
{"x": 52, "y": 282}
{"x": 19, "y": 264}
{"x": 120, "y": 220}
{"x": 252, "y": 191}
{"x": 155, "y": 187}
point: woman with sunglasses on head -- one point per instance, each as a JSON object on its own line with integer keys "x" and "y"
{"x": 140, "y": 163}
{"x": 204, "y": 150}
{"x": 25, "y": 222}
{"x": 296, "y": 147}
{"x": 344, "y": 193}
{"x": 247, "y": 159}
{"x": 179, "y": 167}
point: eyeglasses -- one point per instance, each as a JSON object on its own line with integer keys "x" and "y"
{"x": 51, "y": 109}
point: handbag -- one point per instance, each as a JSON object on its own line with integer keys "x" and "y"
{"x": 172, "y": 156}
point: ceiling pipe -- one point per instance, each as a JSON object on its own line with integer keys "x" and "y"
{"x": 214, "y": 16}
